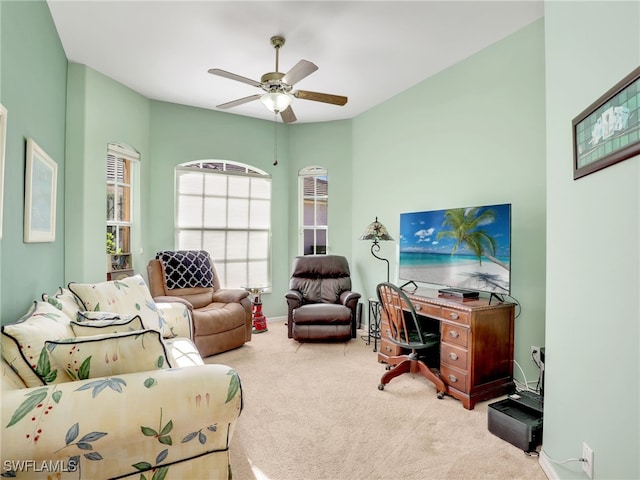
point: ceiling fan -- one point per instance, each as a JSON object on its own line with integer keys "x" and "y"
{"x": 278, "y": 87}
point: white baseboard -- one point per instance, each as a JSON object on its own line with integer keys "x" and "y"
{"x": 547, "y": 466}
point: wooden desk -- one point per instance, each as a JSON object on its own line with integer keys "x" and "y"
{"x": 476, "y": 346}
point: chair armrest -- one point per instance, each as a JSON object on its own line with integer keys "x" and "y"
{"x": 229, "y": 295}
{"x": 177, "y": 318}
{"x": 294, "y": 298}
{"x": 350, "y": 299}
{"x": 180, "y": 412}
{"x": 171, "y": 299}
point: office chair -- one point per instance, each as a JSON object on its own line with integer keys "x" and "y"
{"x": 404, "y": 330}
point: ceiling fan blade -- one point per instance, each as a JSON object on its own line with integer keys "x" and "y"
{"x": 320, "y": 97}
{"x": 240, "y": 101}
{"x": 287, "y": 115}
{"x": 233, "y": 76}
{"x": 300, "y": 70}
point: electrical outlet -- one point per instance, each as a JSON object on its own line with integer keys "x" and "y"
{"x": 535, "y": 355}
{"x": 587, "y": 460}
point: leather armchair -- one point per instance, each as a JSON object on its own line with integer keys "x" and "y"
{"x": 321, "y": 305}
{"x": 221, "y": 317}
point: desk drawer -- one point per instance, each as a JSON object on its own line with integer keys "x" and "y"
{"x": 389, "y": 349}
{"x": 455, "y": 378}
{"x": 454, "y": 356}
{"x": 427, "y": 309}
{"x": 455, "y": 315}
{"x": 456, "y": 334}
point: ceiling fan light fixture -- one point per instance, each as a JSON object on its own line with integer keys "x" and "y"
{"x": 276, "y": 102}
{"x": 278, "y": 86}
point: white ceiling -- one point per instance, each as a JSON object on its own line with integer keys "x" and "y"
{"x": 368, "y": 51}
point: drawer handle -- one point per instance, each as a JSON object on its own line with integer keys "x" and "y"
{"x": 454, "y": 334}
{"x": 417, "y": 306}
{"x": 453, "y": 315}
{"x": 388, "y": 349}
{"x": 453, "y": 356}
{"x": 452, "y": 378}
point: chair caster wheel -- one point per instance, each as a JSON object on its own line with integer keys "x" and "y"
{"x": 440, "y": 395}
{"x": 381, "y": 386}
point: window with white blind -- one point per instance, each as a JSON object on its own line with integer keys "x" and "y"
{"x": 314, "y": 201}
{"x": 119, "y": 198}
{"x": 224, "y": 207}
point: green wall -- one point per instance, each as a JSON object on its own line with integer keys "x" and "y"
{"x": 593, "y": 262}
{"x": 327, "y": 145}
{"x": 34, "y": 77}
{"x": 474, "y": 134}
{"x": 181, "y": 134}
{"x": 100, "y": 111}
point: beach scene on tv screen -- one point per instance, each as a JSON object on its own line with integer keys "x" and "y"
{"x": 466, "y": 248}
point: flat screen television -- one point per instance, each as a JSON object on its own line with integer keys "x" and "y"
{"x": 463, "y": 248}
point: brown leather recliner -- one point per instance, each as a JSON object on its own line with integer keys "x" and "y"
{"x": 321, "y": 303}
{"x": 221, "y": 317}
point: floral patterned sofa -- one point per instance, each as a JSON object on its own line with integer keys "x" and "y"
{"x": 99, "y": 381}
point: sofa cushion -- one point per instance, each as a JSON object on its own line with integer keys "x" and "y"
{"x": 218, "y": 318}
{"x": 322, "y": 314}
{"x": 64, "y": 300}
{"x": 23, "y": 343}
{"x": 109, "y": 354}
{"x": 127, "y": 296}
{"x": 107, "y": 325}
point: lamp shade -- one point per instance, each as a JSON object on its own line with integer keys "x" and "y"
{"x": 376, "y": 232}
{"x": 276, "y": 101}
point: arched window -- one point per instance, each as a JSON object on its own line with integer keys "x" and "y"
{"x": 314, "y": 200}
{"x": 224, "y": 207}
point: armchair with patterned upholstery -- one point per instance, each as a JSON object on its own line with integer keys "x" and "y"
{"x": 321, "y": 305}
{"x": 221, "y": 317}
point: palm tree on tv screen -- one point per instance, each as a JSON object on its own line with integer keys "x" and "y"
{"x": 465, "y": 229}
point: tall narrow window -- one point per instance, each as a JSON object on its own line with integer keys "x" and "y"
{"x": 119, "y": 205}
{"x": 224, "y": 207}
{"x": 314, "y": 196}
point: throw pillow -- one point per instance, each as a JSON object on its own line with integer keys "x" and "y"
{"x": 110, "y": 354}
{"x": 23, "y": 344}
{"x": 186, "y": 268}
{"x": 106, "y": 325}
{"x": 64, "y": 300}
{"x": 127, "y": 296}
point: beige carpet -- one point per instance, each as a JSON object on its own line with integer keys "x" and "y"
{"x": 313, "y": 411}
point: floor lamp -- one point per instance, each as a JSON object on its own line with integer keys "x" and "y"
{"x": 378, "y": 233}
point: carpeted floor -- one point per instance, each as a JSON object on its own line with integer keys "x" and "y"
{"x": 314, "y": 412}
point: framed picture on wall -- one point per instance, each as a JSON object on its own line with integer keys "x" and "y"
{"x": 3, "y": 143}
{"x": 41, "y": 179}
{"x": 608, "y": 131}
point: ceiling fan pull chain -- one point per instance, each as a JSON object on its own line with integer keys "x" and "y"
{"x": 275, "y": 138}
